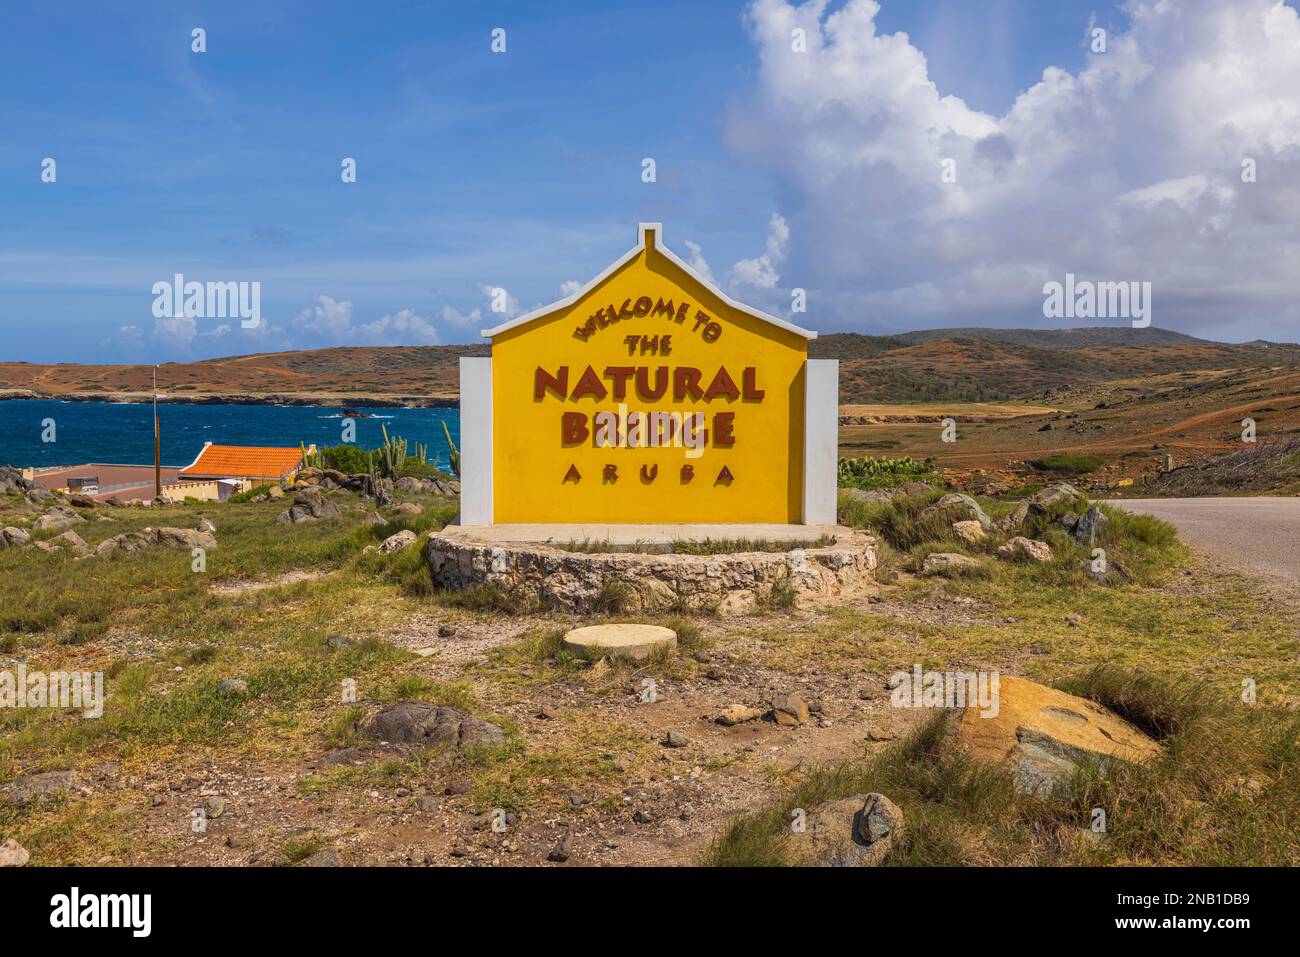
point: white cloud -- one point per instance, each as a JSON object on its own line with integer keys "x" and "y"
{"x": 1129, "y": 169}
{"x": 697, "y": 262}
{"x": 569, "y": 287}
{"x": 761, "y": 272}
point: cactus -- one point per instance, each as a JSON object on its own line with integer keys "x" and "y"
{"x": 453, "y": 453}
{"x": 313, "y": 459}
{"x": 392, "y": 454}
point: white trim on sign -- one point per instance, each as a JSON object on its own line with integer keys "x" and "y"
{"x": 657, "y": 229}
{"x": 821, "y": 428}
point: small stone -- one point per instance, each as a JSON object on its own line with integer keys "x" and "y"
{"x": 877, "y": 734}
{"x": 1027, "y": 549}
{"x": 339, "y": 642}
{"x": 13, "y": 854}
{"x": 713, "y": 674}
{"x": 233, "y": 688}
{"x": 546, "y": 712}
{"x": 1074, "y": 619}
{"x": 446, "y": 631}
{"x": 426, "y": 804}
{"x": 562, "y": 849}
{"x": 675, "y": 740}
{"x": 458, "y": 785}
{"x": 789, "y": 710}
{"x": 214, "y": 806}
{"x": 325, "y": 857}
{"x": 643, "y": 817}
{"x": 737, "y": 714}
{"x": 970, "y": 532}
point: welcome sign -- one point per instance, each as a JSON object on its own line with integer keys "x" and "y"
{"x": 649, "y": 396}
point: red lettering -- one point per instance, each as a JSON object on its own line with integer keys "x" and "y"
{"x": 573, "y": 428}
{"x": 643, "y": 382}
{"x": 750, "y": 378}
{"x": 544, "y": 382}
{"x": 724, "y": 424}
{"x": 723, "y": 385}
{"x": 619, "y": 376}
{"x": 589, "y": 385}
{"x": 686, "y": 381}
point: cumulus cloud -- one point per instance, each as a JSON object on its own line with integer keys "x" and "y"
{"x": 1129, "y": 169}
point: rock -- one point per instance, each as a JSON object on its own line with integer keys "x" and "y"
{"x": 325, "y": 857}
{"x": 13, "y": 854}
{"x": 38, "y": 788}
{"x": 427, "y": 804}
{"x": 1027, "y": 549}
{"x": 275, "y": 492}
{"x": 956, "y": 503}
{"x": 1074, "y": 619}
{"x": 866, "y": 496}
{"x": 675, "y": 739}
{"x": 737, "y": 714}
{"x": 408, "y": 508}
{"x": 39, "y": 495}
{"x": 562, "y": 849}
{"x": 948, "y": 563}
{"x": 233, "y": 688}
{"x": 1090, "y": 527}
{"x": 338, "y": 642}
{"x": 1056, "y": 494}
{"x": 58, "y": 517}
{"x": 13, "y": 537}
{"x": 634, "y": 642}
{"x": 970, "y": 532}
{"x": 408, "y": 484}
{"x": 214, "y": 805}
{"x": 186, "y": 538}
{"x": 206, "y": 526}
{"x": 789, "y": 710}
{"x": 69, "y": 540}
{"x": 374, "y": 518}
{"x": 1041, "y": 734}
{"x": 446, "y": 631}
{"x": 857, "y": 831}
{"x": 1016, "y": 517}
{"x": 428, "y": 725}
{"x": 395, "y": 543}
{"x": 643, "y": 817}
{"x": 913, "y": 488}
{"x": 309, "y": 505}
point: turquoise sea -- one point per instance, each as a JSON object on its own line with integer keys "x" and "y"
{"x": 122, "y": 433}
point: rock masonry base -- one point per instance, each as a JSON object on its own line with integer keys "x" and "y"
{"x": 732, "y": 583}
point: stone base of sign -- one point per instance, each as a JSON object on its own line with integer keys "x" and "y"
{"x": 635, "y": 564}
{"x": 620, "y": 640}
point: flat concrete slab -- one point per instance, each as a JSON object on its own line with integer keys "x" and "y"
{"x": 629, "y": 535}
{"x": 620, "y": 640}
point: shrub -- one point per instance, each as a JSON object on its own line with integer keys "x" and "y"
{"x": 868, "y": 473}
{"x": 349, "y": 459}
{"x": 1069, "y": 464}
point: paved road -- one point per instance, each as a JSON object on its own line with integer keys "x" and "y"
{"x": 1259, "y": 534}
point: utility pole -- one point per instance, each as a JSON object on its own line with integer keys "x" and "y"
{"x": 157, "y": 457}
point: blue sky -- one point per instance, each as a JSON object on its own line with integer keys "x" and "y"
{"x": 475, "y": 169}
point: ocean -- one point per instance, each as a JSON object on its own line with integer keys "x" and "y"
{"x": 111, "y": 432}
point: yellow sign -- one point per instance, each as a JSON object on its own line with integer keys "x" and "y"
{"x": 648, "y": 397}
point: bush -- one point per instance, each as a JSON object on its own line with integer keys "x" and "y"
{"x": 1069, "y": 464}
{"x": 868, "y": 473}
{"x": 349, "y": 459}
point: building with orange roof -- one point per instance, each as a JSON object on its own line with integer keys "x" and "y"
{"x": 256, "y": 464}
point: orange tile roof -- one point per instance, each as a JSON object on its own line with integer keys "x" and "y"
{"x": 245, "y": 461}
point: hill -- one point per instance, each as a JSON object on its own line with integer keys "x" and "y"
{"x": 948, "y": 365}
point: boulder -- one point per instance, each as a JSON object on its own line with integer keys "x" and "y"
{"x": 13, "y": 537}
{"x": 57, "y": 517}
{"x": 789, "y": 710}
{"x": 395, "y": 543}
{"x": 181, "y": 538}
{"x": 408, "y": 508}
{"x": 913, "y": 488}
{"x": 275, "y": 492}
{"x": 948, "y": 563}
{"x": 1016, "y": 517}
{"x": 959, "y": 504}
{"x": 857, "y": 831}
{"x": 869, "y": 496}
{"x": 428, "y": 725}
{"x": 1025, "y": 549}
{"x": 309, "y": 505}
{"x": 1090, "y": 527}
{"x": 69, "y": 541}
{"x": 1042, "y": 734}
{"x": 970, "y": 532}
{"x": 408, "y": 484}
{"x": 1055, "y": 494}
